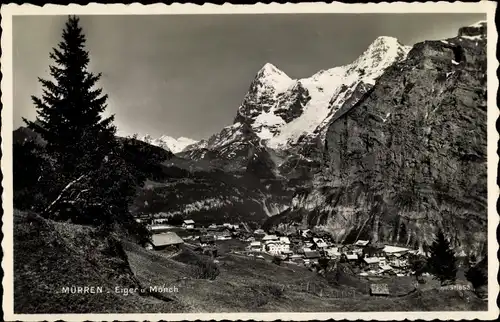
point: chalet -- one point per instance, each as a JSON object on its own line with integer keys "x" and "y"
{"x": 255, "y": 246}
{"x": 361, "y": 243}
{"x": 160, "y": 221}
{"x": 305, "y": 249}
{"x": 306, "y": 233}
{"x": 188, "y": 224}
{"x": 379, "y": 289}
{"x": 357, "y": 251}
{"x": 371, "y": 262}
{"x": 276, "y": 246}
{"x": 374, "y": 250}
{"x": 165, "y": 240}
{"x": 398, "y": 263}
{"x": 296, "y": 257}
{"x": 224, "y": 234}
{"x": 285, "y": 240}
{"x": 345, "y": 249}
{"x": 332, "y": 252}
{"x": 269, "y": 238}
{"x": 385, "y": 267}
{"x": 287, "y": 254}
{"x": 259, "y": 234}
{"x": 395, "y": 251}
{"x": 156, "y": 229}
{"x": 311, "y": 255}
{"x": 319, "y": 243}
{"x": 352, "y": 257}
{"x": 207, "y": 240}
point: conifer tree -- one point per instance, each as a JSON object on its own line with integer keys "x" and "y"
{"x": 442, "y": 259}
{"x": 70, "y": 108}
{"x": 477, "y": 274}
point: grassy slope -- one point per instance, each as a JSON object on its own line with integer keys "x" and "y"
{"x": 49, "y": 256}
{"x": 247, "y": 284}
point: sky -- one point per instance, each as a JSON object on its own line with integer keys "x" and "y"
{"x": 186, "y": 75}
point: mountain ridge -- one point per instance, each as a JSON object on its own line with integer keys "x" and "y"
{"x": 288, "y": 114}
{"x": 175, "y": 145}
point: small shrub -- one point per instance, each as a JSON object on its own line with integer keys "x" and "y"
{"x": 206, "y": 269}
{"x": 275, "y": 290}
{"x": 277, "y": 260}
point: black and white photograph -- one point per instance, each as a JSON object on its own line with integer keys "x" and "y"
{"x": 261, "y": 162}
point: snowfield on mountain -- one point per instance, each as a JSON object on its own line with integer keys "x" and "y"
{"x": 280, "y": 110}
{"x": 169, "y": 143}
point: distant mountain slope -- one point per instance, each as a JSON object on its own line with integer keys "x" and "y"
{"x": 410, "y": 156}
{"x": 169, "y": 143}
{"x": 210, "y": 195}
{"x": 200, "y": 189}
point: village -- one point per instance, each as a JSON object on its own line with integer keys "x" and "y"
{"x": 304, "y": 247}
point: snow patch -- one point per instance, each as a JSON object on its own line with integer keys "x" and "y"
{"x": 477, "y": 37}
{"x": 478, "y": 24}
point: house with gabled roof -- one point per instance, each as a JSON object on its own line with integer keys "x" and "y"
{"x": 165, "y": 240}
{"x": 188, "y": 224}
{"x": 361, "y": 243}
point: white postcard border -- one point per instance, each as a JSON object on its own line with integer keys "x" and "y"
{"x": 10, "y": 10}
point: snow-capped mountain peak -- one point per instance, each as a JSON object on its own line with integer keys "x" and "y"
{"x": 382, "y": 53}
{"x": 169, "y": 143}
{"x": 282, "y": 111}
{"x": 274, "y": 76}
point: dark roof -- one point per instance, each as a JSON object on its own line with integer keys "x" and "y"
{"x": 311, "y": 254}
{"x": 379, "y": 289}
{"x": 208, "y": 238}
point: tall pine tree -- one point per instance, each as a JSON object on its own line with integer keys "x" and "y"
{"x": 70, "y": 109}
{"x": 80, "y": 141}
{"x": 442, "y": 260}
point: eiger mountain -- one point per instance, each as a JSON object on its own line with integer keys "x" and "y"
{"x": 281, "y": 113}
{"x": 410, "y": 155}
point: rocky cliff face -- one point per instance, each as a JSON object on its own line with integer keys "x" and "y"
{"x": 281, "y": 122}
{"x": 409, "y": 156}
